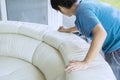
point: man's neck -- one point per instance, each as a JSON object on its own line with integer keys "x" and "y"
{"x": 75, "y": 9}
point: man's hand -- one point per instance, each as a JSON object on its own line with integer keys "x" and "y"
{"x": 62, "y": 29}
{"x": 76, "y": 65}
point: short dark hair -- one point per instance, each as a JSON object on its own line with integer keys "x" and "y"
{"x": 64, "y": 3}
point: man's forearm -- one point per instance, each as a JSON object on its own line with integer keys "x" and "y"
{"x": 96, "y": 45}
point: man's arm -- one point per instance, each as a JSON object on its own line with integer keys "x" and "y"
{"x": 99, "y": 36}
{"x": 67, "y": 30}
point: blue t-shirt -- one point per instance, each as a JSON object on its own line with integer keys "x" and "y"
{"x": 91, "y": 13}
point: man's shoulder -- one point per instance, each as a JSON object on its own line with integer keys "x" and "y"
{"x": 87, "y": 5}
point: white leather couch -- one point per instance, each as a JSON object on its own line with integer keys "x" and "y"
{"x": 35, "y": 52}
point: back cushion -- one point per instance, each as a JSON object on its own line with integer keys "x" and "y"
{"x": 50, "y": 62}
{"x": 67, "y": 44}
{"x": 19, "y": 46}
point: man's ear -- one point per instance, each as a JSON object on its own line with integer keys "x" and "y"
{"x": 62, "y": 8}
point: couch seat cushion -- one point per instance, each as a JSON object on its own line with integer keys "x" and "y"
{"x": 16, "y": 69}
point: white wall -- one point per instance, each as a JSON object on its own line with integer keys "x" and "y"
{"x": 0, "y": 12}
{"x": 68, "y": 21}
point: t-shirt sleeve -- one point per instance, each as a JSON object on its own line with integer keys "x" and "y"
{"x": 88, "y": 20}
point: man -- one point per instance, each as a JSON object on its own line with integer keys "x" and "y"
{"x": 98, "y": 21}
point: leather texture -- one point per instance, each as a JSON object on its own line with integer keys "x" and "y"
{"x": 30, "y": 51}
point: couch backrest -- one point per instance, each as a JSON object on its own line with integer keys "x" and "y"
{"x": 25, "y": 41}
